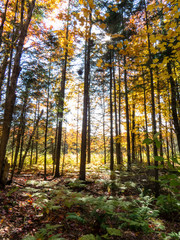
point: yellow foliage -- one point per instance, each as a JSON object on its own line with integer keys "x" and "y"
{"x": 99, "y": 62}
{"x": 114, "y": 9}
{"x": 119, "y": 45}
{"x": 91, "y": 4}
{"x": 110, "y": 46}
{"x": 102, "y": 25}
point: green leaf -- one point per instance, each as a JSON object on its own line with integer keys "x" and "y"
{"x": 114, "y": 231}
{"x": 74, "y": 216}
{"x": 29, "y": 238}
{"x": 156, "y": 135}
{"x": 148, "y": 141}
{"x": 88, "y": 237}
{"x": 158, "y": 158}
{"x": 158, "y": 143}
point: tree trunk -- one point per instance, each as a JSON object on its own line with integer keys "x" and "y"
{"x": 174, "y": 104}
{"x": 82, "y": 173}
{"x": 146, "y": 122}
{"x": 133, "y": 132}
{"x": 160, "y": 121}
{"x": 104, "y": 132}
{"x": 2, "y": 72}
{"x": 120, "y": 147}
{"x": 37, "y": 134}
{"x": 155, "y": 152}
{"x": 116, "y": 120}
{"x": 47, "y": 122}
{"x": 61, "y": 104}
{"x": 111, "y": 118}
{"x": 127, "y": 119}
{"x": 77, "y": 131}
{"x": 11, "y": 95}
{"x": 89, "y": 129}
{"x": 3, "y": 21}
{"x": 32, "y": 148}
{"x": 167, "y": 142}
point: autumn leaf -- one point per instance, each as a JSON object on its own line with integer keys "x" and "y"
{"x": 102, "y": 25}
{"x": 99, "y": 62}
{"x": 110, "y": 46}
{"x": 114, "y": 9}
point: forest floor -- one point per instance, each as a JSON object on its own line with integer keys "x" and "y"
{"x": 66, "y": 208}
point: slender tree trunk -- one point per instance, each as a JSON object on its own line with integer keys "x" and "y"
{"x": 2, "y": 72}
{"x": 12, "y": 44}
{"x": 64, "y": 153}
{"x": 174, "y": 104}
{"x": 172, "y": 143}
{"x": 89, "y": 128}
{"x": 155, "y": 152}
{"x": 32, "y": 148}
{"x": 82, "y": 173}
{"x": 3, "y": 21}
{"x": 21, "y": 146}
{"x": 47, "y": 122}
{"x": 104, "y": 132}
{"x": 111, "y": 118}
{"x": 77, "y": 132}
{"x": 61, "y": 103}
{"x": 133, "y": 132}
{"x": 116, "y": 120}
{"x": 127, "y": 119}
{"x": 167, "y": 142}
{"x": 160, "y": 121}
{"x": 120, "y": 137}
{"x": 146, "y": 122}
{"x": 37, "y": 134}
{"x": 12, "y": 146}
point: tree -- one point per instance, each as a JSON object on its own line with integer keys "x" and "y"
{"x": 11, "y": 95}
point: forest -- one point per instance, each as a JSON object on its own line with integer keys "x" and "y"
{"x": 89, "y": 119}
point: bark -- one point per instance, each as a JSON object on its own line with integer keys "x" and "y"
{"x": 160, "y": 121}
{"x": 82, "y": 173}
{"x": 104, "y": 132}
{"x": 111, "y": 118}
{"x": 174, "y": 104}
{"x": 32, "y": 149}
{"x": 2, "y": 71}
{"x": 155, "y": 152}
{"x": 77, "y": 132}
{"x": 61, "y": 104}
{"x": 11, "y": 94}
{"x": 146, "y": 122}
{"x": 89, "y": 132}
{"x": 167, "y": 142}
{"x": 12, "y": 47}
{"x": 47, "y": 122}
{"x": 64, "y": 153}
{"x": 116, "y": 120}
{"x": 3, "y": 21}
{"x": 127, "y": 119}
{"x": 133, "y": 132}
{"x": 120, "y": 147}
{"x": 37, "y": 134}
